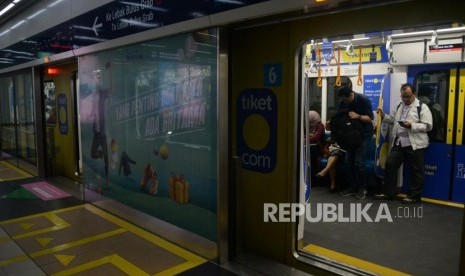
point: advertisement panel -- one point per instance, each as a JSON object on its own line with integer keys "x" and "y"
{"x": 148, "y": 119}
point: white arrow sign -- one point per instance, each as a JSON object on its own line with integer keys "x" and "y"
{"x": 96, "y": 26}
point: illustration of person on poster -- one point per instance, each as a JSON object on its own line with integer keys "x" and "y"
{"x": 99, "y": 148}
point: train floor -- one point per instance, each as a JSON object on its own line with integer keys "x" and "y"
{"x": 421, "y": 239}
{"x": 48, "y": 229}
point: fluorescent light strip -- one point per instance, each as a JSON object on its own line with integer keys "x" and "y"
{"x": 54, "y": 3}
{"x": 7, "y": 8}
{"x": 17, "y": 24}
{"x": 36, "y": 14}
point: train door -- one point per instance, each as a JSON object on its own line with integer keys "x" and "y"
{"x": 18, "y": 136}
{"x": 441, "y": 87}
{"x": 59, "y": 90}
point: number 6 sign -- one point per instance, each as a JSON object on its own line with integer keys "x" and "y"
{"x": 272, "y": 75}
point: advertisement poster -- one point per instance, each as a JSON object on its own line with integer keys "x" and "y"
{"x": 372, "y": 88}
{"x": 148, "y": 119}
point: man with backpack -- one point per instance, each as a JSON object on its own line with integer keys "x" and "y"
{"x": 412, "y": 120}
{"x": 359, "y": 110}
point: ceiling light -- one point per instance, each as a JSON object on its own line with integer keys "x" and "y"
{"x": 17, "y": 24}
{"x": 36, "y": 14}
{"x": 54, "y": 3}
{"x": 7, "y": 8}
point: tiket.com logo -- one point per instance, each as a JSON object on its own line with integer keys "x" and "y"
{"x": 257, "y": 120}
{"x": 338, "y": 212}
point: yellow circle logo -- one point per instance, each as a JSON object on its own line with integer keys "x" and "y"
{"x": 256, "y": 132}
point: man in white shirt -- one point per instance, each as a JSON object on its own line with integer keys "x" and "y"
{"x": 408, "y": 142}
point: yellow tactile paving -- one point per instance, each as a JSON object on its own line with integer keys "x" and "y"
{"x": 85, "y": 239}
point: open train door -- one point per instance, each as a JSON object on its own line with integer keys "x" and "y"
{"x": 59, "y": 92}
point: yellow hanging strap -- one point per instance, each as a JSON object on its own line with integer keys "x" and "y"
{"x": 338, "y": 77}
{"x": 319, "y": 81}
{"x": 332, "y": 56}
{"x": 359, "y": 81}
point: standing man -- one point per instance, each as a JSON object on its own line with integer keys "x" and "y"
{"x": 411, "y": 120}
{"x": 359, "y": 108}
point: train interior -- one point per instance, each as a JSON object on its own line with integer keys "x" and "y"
{"x": 376, "y": 64}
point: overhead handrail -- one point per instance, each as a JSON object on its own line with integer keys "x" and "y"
{"x": 332, "y": 57}
{"x": 319, "y": 81}
{"x": 338, "y": 76}
{"x": 359, "y": 81}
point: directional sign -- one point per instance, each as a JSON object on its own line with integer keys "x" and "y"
{"x": 96, "y": 26}
{"x": 113, "y": 20}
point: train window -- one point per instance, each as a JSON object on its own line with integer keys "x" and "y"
{"x": 315, "y": 92}
{"x": 333, "y": 100}
{"x": 432, "y": 90}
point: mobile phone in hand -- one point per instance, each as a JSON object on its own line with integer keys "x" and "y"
{"x": 401, "y": 123}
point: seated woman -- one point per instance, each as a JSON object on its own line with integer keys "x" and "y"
{"x": 316, "y": 136}
{"x": 335, "y": 153}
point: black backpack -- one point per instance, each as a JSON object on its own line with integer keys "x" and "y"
{"x": 437, "y": 132}
{"x": 346, "y": 132}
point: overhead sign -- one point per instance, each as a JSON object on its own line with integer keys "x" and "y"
{"x": 113, "y": 20}
{"x": 446, "y": 48}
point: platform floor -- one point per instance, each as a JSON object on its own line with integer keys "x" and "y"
{"x": 46, "y": 231}
{"x": 46, "y": 228}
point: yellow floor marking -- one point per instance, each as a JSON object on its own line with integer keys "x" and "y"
{"x": 148, "y": 236}
{"x": 44, "y": 241}
{"x": 192, "y": 260}
{"x": 14, "y": 260}
{"x": 175, "y": 270}
{"x": 378, "y": 269}
{"x": 50, "y": 215}
{"x": 26, "y": 226}
{"x": 4, "y": 239}
{"x": 440, "y": 202}
{"x": 61, "y": 225}
{"x": 65, "y": 259}
{"x": 38, "y": 232}
{"x": 14, "y": 168}
{"x": 77, "y": 243}
{"x": 114, "y": 259}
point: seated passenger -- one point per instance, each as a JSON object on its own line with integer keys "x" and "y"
{"x": 316, "y": 136}
{"x": 335, "y": 153}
